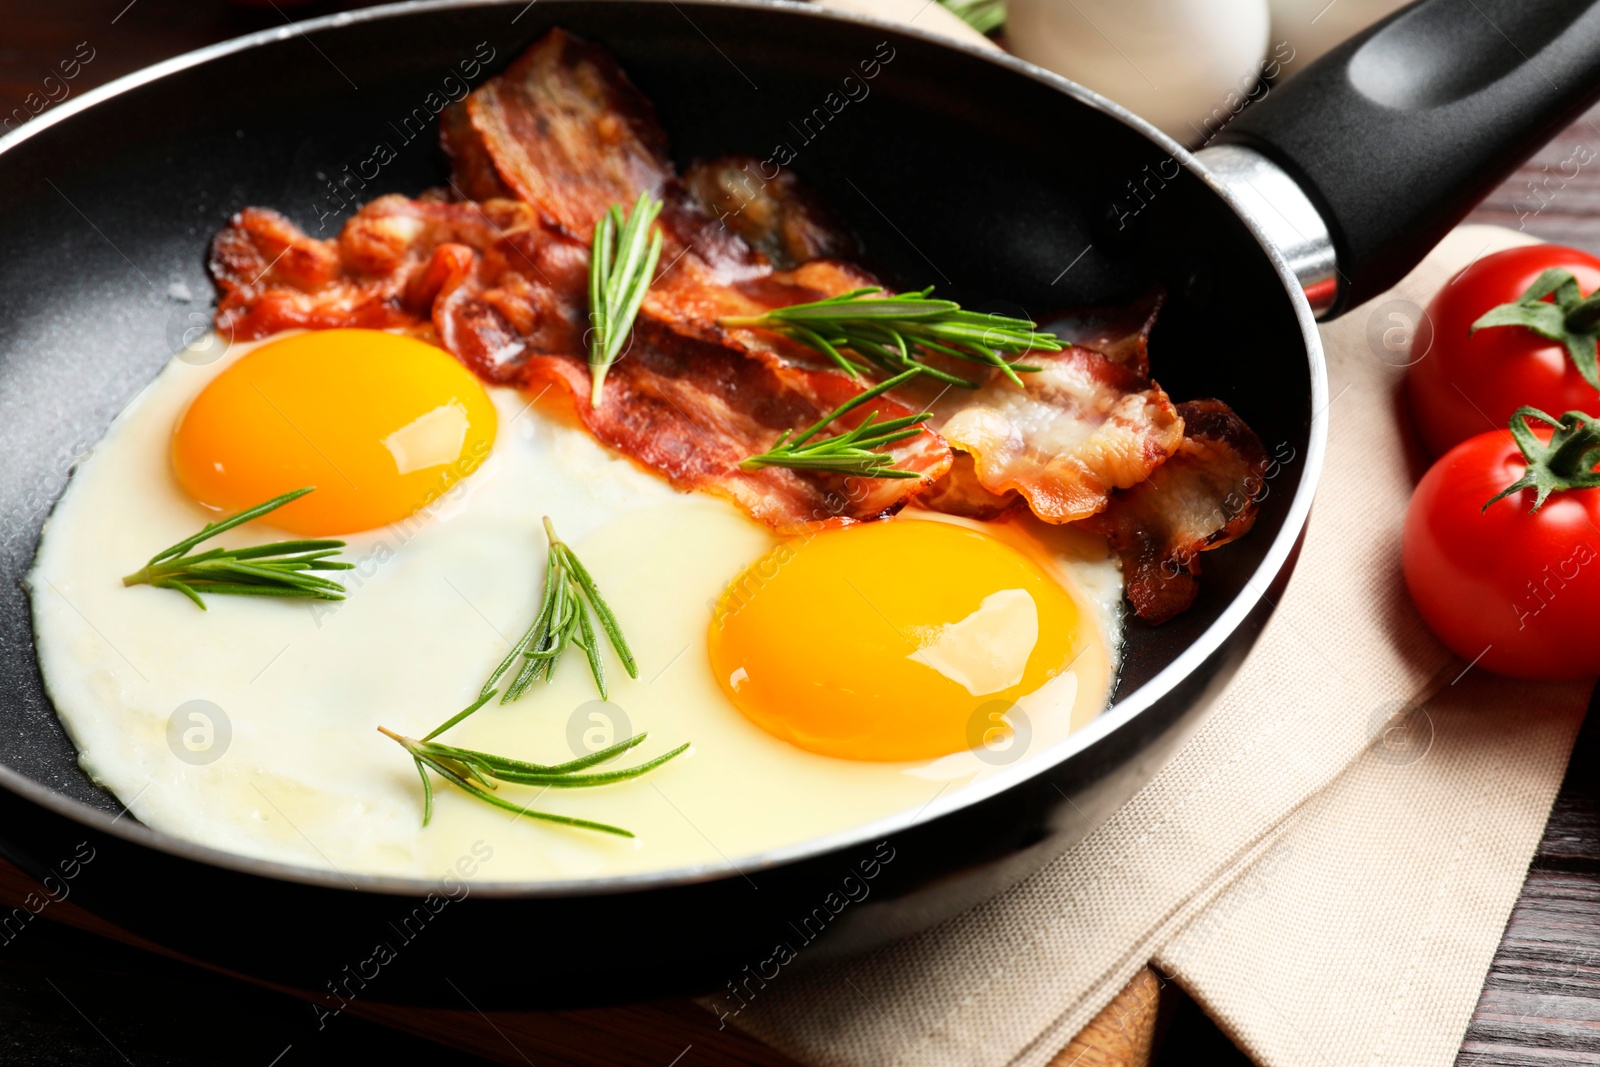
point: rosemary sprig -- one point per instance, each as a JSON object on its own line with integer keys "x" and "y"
{"x": 570, "y": 596}
{"x": 477, "y": 773}
{"x": 280, "y": 569}
{"x": 891, "y": 331}
{"x": 846, "y": 453}
{"x": 621, "y": 265}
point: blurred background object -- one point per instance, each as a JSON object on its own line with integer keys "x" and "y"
{"x": 1185, "y": 65}
{"x": 985, "y": 16}
{"x": 955, "y": 19}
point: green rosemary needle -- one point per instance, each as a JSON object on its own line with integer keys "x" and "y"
{"x": 477, "y": 773}
{"x": 566, "y": 616}
{"x": 621, "y": 266}
{"x": 280, "y": 569}
{"x": 891, "y": 330}
{"x": 846, "y": 453}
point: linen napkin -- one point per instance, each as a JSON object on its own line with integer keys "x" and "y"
{"x": 1326, "y": 867}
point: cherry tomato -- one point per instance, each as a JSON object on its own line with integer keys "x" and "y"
{"x": 1514, "y": 589}
{"x": 1464, "y": 382}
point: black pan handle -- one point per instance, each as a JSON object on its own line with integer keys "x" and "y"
{"x": 1396, "y": 134}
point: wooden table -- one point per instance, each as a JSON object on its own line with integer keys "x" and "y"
{"x": 73, "y": 992}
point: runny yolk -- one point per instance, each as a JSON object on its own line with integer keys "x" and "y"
{"x": 893, "y": 640}
{"x": 380, "y": 424}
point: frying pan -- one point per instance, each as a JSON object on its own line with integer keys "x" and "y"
{"x": 1005, "y": 186}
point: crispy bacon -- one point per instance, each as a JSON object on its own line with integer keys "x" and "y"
{"x": 562, "y": 128}
{"x": 1075, "y": 430}
{"x": 1203, "y": 497}
{"x": 960, "y": 493}
{"x": 274, "y": 277}
{"x": 693, "y": 410}
{"x": 1121, "y": 335}
{"x": 493, "y": 284}
{"x": 693, "y": 299}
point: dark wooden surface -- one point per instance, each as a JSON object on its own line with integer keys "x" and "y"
{"x": 1541, "y": 1003}
{"x": 67, "y": 996}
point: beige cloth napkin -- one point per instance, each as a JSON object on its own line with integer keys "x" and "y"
{"x": 1327, "y": 866}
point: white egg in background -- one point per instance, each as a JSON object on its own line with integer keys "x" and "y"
{"x": 1176, "y": 63}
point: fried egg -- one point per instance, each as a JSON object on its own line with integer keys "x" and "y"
{"x": 823, "y": 682}
{"x": 380, "y": 424}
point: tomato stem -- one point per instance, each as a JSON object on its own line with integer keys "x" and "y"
{"x": 1567, "y": 461}
{"x": 1584, "y": 316}
{"x": 1554, "y": 308}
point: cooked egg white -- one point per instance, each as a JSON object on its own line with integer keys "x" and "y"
{"x": 252, "y": 727}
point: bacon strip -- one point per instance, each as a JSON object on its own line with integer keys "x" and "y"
{"x": 693, "y": 410}
{"x": 960, "y": 493}
{"x": 486, "y": 281}
{"x": 1075, "y": 430}
{"x": 1203, "y": 497}
{"x": 562, "y": 128}
{"x": 273, "y": 277}
{"x": 1022, "y": 437}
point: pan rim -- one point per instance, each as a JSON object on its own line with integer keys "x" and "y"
{"x": 1208, "y": 643}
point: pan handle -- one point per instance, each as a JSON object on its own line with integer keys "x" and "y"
{"x": 1396, "y": 134}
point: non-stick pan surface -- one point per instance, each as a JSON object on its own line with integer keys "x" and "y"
{"x": 1004, "y": 187}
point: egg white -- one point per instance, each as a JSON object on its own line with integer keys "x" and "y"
{"x": 303, "y": 775}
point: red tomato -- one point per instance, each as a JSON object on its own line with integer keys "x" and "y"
{"x": 1516, "y": 591}
{"x": 1464, "y": 383}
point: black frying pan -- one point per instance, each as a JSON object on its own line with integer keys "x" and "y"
{"x": 1002, "y": 185}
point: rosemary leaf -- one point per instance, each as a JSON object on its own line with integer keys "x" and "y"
{"x": 622, "y": 263}
{"x": 279, "y": 569}
{"x": 591, "y": 650}
{"x": 610, "y": 752}
{"x": 427, "y": 793}
{"x": 499, "y": 802}
{"x": 539, "y": 658}
{"x": 850, "y": 452}
{"x": 892, "y": 330}
{"x": 565, "y": 781}
{"x": 471, "y": 772}
{"x": 483, "y": 698}
{"x": 608, "y": 620}
{"x": 566, "y": 617}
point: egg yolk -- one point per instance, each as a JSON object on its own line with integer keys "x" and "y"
{"x": 894, "y": 640}
{"x": 380, "y": 424}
